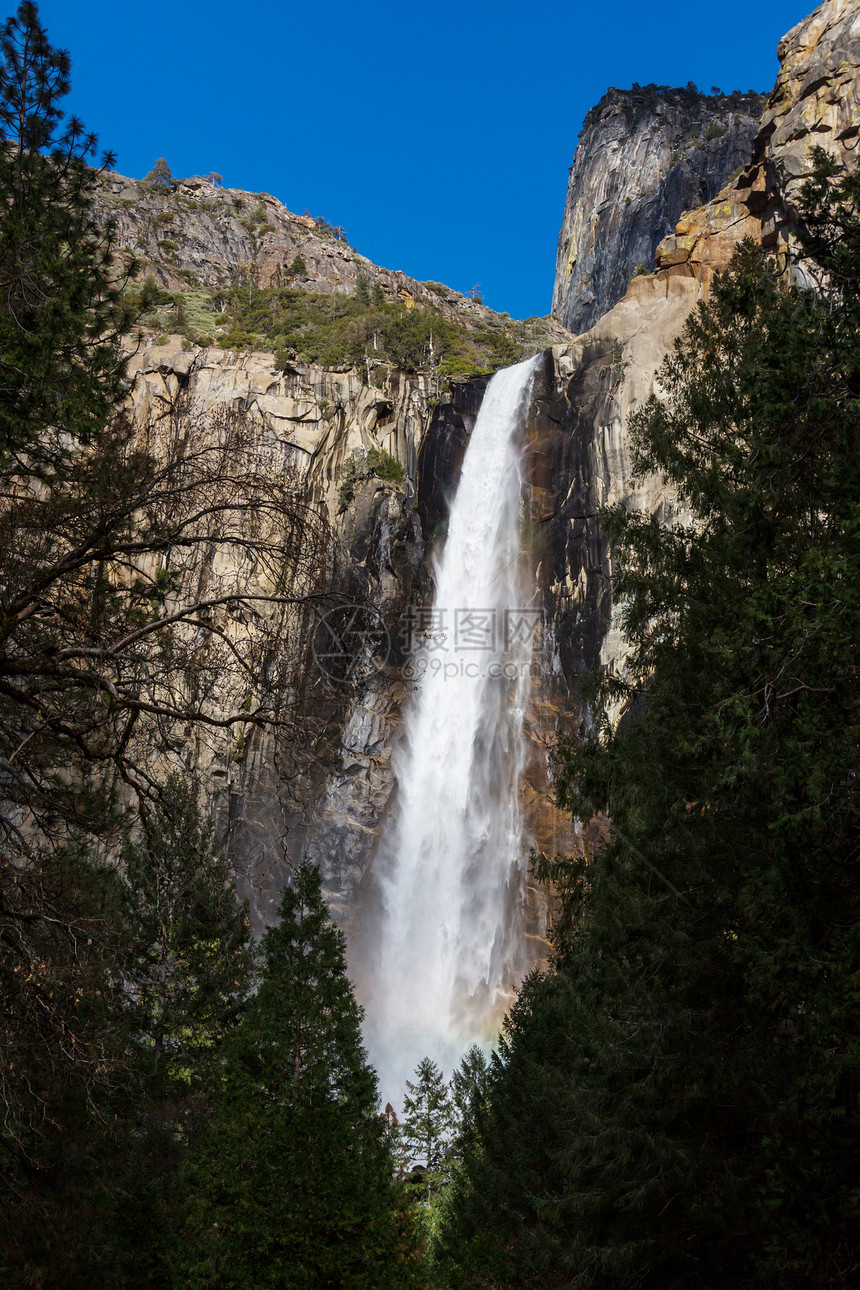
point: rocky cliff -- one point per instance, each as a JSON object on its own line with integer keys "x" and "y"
{"x": 644, "y": 156}
{"x": 330, "y": 802}
{"x": 191, "y": 236}
{"x": 265, "y": 789}
{"x": 581, "y": 457}
{"x": 815, "y": 103}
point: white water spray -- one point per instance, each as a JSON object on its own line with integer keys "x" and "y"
{"x": 450, "y": 953}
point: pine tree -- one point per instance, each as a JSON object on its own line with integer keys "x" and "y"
{"x": 189, "y": 952}
{"x": 61, "y": 368}
{"x": 160, "y": 177}
{"x": 64, "y": 1061}
{"x": 427, "y": 1114}
{"x": 291, "y": 1185}
{"x": 186, "y": 970}
{"x": 144, "y": 972}
{"x": 469, "y": 1089}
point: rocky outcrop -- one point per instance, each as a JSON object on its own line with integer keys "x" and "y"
{"x": 317, "y": 416}
{"x": 196, "y": 234}
{"x": 815, "y": 103}
{"x": 644, "y": 156}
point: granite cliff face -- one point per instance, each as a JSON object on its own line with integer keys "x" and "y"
{"x": 263, "y": 788}
{"x": 815, "y": 103}
{"x": 332, "y": 804}
{"x": 644, "y": 156}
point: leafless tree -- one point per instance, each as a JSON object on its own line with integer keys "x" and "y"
{"x": 158, "y": 588}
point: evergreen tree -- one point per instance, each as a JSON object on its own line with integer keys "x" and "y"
{"x": 469, "y": 1087}
{"x": 427, "y": 1114}
{"x": 160, "y": 177}
{"x": 144, "y": 972}
{"x": 61, "y": 369}
{"x": 676, "y": 1104}
{"x": 64, "y": 1061}
{"x": 186, "y": 970}
{"x": 291, "y": 1184}
{"x": 189, "y": 954}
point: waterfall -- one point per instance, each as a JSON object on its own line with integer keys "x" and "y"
{"x": 451, "y": 868}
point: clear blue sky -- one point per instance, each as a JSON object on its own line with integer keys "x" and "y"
{"x": 438, "y": 135}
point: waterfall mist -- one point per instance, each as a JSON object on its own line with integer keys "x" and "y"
{"x": 450, "y": 949}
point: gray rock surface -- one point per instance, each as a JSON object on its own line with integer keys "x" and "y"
{"x": 644, "y": 156}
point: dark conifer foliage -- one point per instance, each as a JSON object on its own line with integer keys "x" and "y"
{"x": 62, "y": 317}
{"x": 190, "y": 964}
{"x": 677, "y": 1103}
{"x": 291, "y": 1184}
{"x": 469, "y": 1086}
{"x": 428, "y": 1115}
{"x": 143, "y": 973}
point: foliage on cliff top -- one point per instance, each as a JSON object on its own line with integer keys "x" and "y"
{"x": 336, "y": 330}
{"x": 687, "y": 97}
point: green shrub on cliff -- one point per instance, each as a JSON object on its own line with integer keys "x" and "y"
{"x": 350, "y": 473}
{"x": 342, "y": 330}
{"x": 386, "y": 466}
{"x": 376, "y": 461}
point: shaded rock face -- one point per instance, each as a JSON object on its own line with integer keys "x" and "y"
{"x": 578, "y": 461}
{"x": 339, "y": 824}
{"x": 441, "y": 455}
{"x": 644, "y": 157}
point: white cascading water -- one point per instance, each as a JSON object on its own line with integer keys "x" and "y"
{"x": 451, "y": 944}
